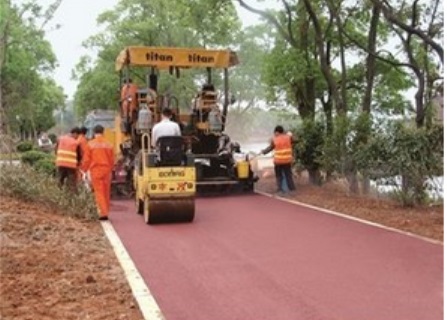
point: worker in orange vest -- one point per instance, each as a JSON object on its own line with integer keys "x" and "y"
{"x": 99, "y": 160}
{"x": 68, "y": 157}
{"x": 281, "y": 144}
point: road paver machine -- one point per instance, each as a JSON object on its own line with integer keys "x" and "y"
{"x": 167, "y": 178}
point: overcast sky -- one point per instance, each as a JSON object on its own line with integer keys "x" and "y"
{"x": 78, "y": 21}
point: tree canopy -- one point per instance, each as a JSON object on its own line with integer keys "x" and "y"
{"x": 28, "y": 94}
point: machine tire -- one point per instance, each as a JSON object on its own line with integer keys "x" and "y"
{"x": 139, "y": 205}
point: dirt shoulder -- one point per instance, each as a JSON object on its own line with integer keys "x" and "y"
{"x": 424, "y": 221}
{"x": 56, "y": 267}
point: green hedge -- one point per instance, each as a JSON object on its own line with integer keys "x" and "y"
{"x": 33, "y": 156}
{"x": 25, "y": 146}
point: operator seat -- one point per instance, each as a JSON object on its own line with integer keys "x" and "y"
{"x": 171, "y": 150}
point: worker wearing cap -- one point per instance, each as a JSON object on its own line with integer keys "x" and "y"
{"x": 281, "y": 144}
{"x": 166, "y": 127}
{"x": 99, "y": 160}
{"x": 68, "y": 157}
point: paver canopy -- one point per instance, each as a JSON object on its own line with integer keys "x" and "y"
{"x": 166, "y": 57}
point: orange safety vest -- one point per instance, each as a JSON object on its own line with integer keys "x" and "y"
{"x": 283, "y": 149}
{"x": 66, "y": 155}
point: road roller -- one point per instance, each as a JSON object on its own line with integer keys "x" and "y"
{"x": 165, "y": 182}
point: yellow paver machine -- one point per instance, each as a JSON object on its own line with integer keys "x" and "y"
{"x": 167, "y": 177}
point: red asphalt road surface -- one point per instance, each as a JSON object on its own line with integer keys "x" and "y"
{"x": 254, "y": 257}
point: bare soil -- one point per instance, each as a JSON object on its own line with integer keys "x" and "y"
{"x": 57, "y": 267}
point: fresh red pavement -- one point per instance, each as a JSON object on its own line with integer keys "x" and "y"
{"x": 255, "y": 257}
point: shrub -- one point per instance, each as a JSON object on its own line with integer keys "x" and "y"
{"x": 308, "y": 150}
{"x": 45, "y": 165}
{"x": 25, "y": 146}
{"x": 412, "y": 155}
{"x": 33, "y": 156}
{"x": 26, "y": 183}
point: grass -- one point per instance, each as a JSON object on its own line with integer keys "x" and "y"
{"x": 9, "y": 156}
{"x": 27, "y": 184}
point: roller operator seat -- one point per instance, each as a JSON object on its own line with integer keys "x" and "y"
{"x": 171, "y": 150}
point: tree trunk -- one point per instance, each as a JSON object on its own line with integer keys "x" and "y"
{"x": 327, "y": 108}
{"x": 353, "y": 181}
{"x": 314, "y": 177}
{"x": 370, "y": 74}
{"x": 304, "y": 95}
{"x": 419, "y": 97}
{"x": 325, "y": 68}
{"x": 4, "y": 28}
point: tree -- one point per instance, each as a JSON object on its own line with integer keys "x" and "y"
{"x": 26, "y": 63}
{"x": 199, "y": 23}
{"x": 413, "y": 28}
{"x": 309, "y": 57}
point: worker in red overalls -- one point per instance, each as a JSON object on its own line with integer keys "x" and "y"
{"x": 99, "y": 160}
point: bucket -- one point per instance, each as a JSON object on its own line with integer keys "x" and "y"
{"x": 242, "y": 169}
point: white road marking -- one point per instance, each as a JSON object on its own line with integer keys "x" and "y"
{"x": 346, "y": 216}
{"x": 146, "y": 301}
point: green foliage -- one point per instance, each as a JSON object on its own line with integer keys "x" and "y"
{"x": 45, "y": 165}
{"x": 245, "y": 79}
{"x": 172, "y": 23}
{"x": 25, "y": 146}
{"x": 334, "y": 149}
{"x": 309, "y": 146}
{"x": 26, "y": 63}
{"x": 41, "y": 161}
{"x": 406, "y": 152}
{"x": 33, "y": 156}
{"x": 29, "y": 184}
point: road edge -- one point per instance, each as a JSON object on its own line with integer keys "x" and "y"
{"x": 349, "y": 217}
{"x": 146, "y": 301}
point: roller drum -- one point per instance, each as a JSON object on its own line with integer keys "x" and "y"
{"x": 170, "y": 210}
